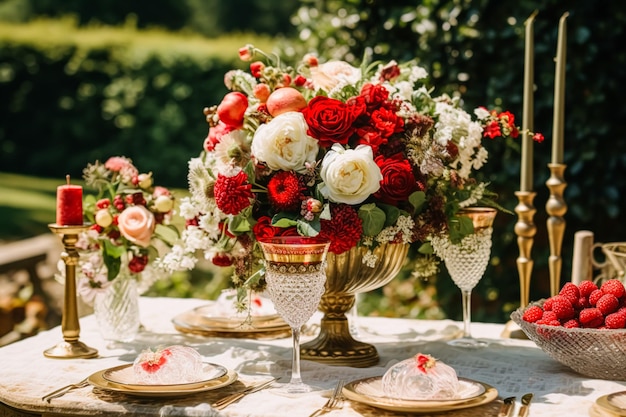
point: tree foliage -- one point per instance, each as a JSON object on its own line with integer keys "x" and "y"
{"x": 477, "y": 48}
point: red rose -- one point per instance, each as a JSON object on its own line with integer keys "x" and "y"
{"x": 367, "y": 135}
{"x": 386, "y": 122}
{"x": 332, "y": 121}
{"x": 398, "y": 181}
{"x": 492, "y": 130}
{"x": 374, "y": 95}
{"x": 263, "y": 229}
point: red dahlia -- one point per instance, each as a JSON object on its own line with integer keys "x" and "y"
{"x": 285, "y": 191}
{"x": 233, "y": 194}
{"x": 343, "y": 229}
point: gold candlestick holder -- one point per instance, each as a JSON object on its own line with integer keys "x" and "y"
{"x": 71, "y": 347}
{"x": 556, "y": 208}
{"x": 525, "y": 230}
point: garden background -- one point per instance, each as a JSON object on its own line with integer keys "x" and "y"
{"x": 81, "y": 81}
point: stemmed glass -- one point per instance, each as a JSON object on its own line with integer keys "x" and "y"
{"x": 466, "y": 262}
{"x": 295, "y": 272}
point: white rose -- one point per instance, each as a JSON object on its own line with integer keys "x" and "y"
{"x": 350, "y": 176}
{"x": 333, "y": 74}
{"x": 283, "y": 143}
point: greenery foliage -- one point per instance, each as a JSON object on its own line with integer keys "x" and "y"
{"x": 74, "y": 95}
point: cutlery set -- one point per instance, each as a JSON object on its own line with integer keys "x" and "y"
{"x": 229, "y": 399}
{"x": 508, "y": 406}
{"x": 335, "y": 401}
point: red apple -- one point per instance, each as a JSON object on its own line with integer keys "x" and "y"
{"x": 232, "y": 109}
{"x": 285, "y": 99}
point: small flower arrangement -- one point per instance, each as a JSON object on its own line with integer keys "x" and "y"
{"x": 130, "y": 224}
{"x": 361, "y": 156}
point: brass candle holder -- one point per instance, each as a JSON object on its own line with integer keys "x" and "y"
{"x": 556, "y": 208}
{"x": 71, "y": 347}
{"x": 525, "y": 230}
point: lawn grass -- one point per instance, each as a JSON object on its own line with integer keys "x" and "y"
{"x": 27, "y": 205}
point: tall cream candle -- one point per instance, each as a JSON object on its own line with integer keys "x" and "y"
{"x": 526, "y": 175}
{"x": 559, "y": 93}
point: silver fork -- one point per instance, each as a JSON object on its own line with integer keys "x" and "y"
{"x": 332, "y": 403}
{"x": 64, "y": 390}
{"x": 229, "y": 399}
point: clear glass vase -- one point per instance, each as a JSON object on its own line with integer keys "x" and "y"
{"x": 117, "y": 309}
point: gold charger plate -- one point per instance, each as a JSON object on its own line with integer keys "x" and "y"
{"x": 615, "y": 403}
{"x": 361, "y": 391}
{"x": 124, "y": 376}
{"x": 97, "y": 380}
{"x": 210, "y": 315}
{"x": 262, "y": 327}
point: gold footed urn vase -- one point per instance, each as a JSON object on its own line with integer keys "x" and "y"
{"x": 346, "y": 276}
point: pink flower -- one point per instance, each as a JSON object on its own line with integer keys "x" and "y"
{"x": 118, "y": 163}
{"x": 136, "y": 223}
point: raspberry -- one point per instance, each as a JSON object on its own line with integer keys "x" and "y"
{"x": 532, "y": 314}
{"x": 547, "y": 305}
{"x": 562, "y": 307}
{"x": 583, "y": 302}
{"x": 549, "y": 322}
{"x": 607, "y": 304}
{"x": 595, "y": 296}
{"x": 591, "y": 317}
{"x": 613, "y": 286}
{"x": 571, "y": 292}
{"x": 549, "y": 316}
{"x": 571, "y": 324}
{"x": 586, "y": 288}
{"x": 615, "y": 321}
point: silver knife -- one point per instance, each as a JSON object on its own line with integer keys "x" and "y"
{"x": 508, "y": 407}
{"x": 229, "y": 399}
{"x": 525, "y": 408}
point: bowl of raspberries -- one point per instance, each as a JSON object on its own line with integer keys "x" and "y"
{"x": 583, "y": 327}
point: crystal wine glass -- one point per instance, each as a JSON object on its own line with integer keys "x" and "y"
{"x": 466, "y": 262}
{"x": 295, "y": 272}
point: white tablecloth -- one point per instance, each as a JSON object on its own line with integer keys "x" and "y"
{"x": 512, "y": 366}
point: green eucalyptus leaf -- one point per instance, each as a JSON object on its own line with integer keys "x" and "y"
{"x": 285, "y": 219}
{"x": 306, "y": 228}
{"x": 373, "y": 219}
{"x": 460, "y": 227}
{"x": 391, "y": 212}
{"x": 325, "y": 214}
{"x": 426, "y": 249}
{"x": 417, "y": 200}
{"x": 167, "y": 233}
{"x": 239, "y": 224}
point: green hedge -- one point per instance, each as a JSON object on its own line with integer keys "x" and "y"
{"x": 71, "y": 96}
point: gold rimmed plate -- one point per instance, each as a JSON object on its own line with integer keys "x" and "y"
{"x": 197, "y": 322}
{"x": 124, "y": 376}
{"x": 97, "y": 380}
{"x": 369, "y": 391}
{"x": 210, "y": 315}
{"x": 615, "y": 403}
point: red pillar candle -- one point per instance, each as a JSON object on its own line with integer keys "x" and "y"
{"x": 69, "y": 204}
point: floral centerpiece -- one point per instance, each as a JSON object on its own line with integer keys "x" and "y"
{"x": 361, "y": 156}
{"x": 130, "y": 226}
